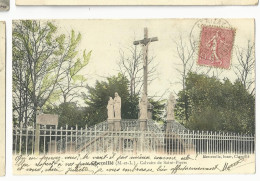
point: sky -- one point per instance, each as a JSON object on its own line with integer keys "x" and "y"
{"x": 106, "y": 37}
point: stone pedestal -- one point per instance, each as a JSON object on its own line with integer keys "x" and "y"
{"x": 169, "y": 124}
{"x": 150, "y": 114}
{"x": 110, "y": 124}
{"x": 37, "y": 140}
{"x": 117, "y": 125}
{"x": 150, "y": 111}
{"x": 143, "y": 124}
{"x": 52, "y": 147}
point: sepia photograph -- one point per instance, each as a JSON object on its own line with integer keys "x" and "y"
{"x": 133, "y": 96}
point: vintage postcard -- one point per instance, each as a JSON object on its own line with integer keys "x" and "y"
{"x": 2, "y": 98}
{"x": 4, "y": 5}
{"x": 146, "y": 96}
{"x": 136, "y": 2}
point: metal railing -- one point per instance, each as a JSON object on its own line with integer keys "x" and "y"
{"x": 59, "y": 140}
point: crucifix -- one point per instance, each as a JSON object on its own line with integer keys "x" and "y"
{"x": 145, "y": 43}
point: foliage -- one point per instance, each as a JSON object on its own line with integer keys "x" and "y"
{"x": 217, "y": 106}
{"x": 97, "y": 99}
{"x": 158, "y": 109}
{"x": 42, "y": 59}
{"x": 98, "y": 96}
{"x": 69, "y": 114}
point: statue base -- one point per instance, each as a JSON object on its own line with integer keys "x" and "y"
{"x": 117, "y": 124}
{"x": 169, "y": 124}
{"x": 150, "y": 114}
{"x": 110, "y": 124}
{"x": 143, "y": 124}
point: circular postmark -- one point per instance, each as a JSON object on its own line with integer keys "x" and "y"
{"x": 212, "y": 41}
{"x": 197, "y": 27}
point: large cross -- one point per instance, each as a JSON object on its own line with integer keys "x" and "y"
{"x": 145, "y": 43}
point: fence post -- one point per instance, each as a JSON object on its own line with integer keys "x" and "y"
{"x": 37, "y": 140}
{"x": 95, "y": 139}
{"x": 81, "y": 138}
{"x": 44, "y": 139}
{"x": 56, "y": 133}
{"x": 76, "y": 142}
{"x": 50, "y": 146}
{"x": 26, "y": 141}
{"x": 71, "y": 137}
{"x": 66, "y": 139}
{"x": 61, "y": 132}
{"x": 202, "y": 141}
{"x": 207, "y": 142}
{"x": 86, "y": 132}
{"x": 33, "y": 134}
{"x": 21, "y": 135}
{"x": 231, "y": 150}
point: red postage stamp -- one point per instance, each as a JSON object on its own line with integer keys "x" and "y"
{"x": 216, "y": 46}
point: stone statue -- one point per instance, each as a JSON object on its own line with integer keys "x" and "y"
{"x": 110, "y": 108}
{"x": 143, "y": 107}
{"x": 170, "y": 107}
{"x": 117, "y": 106}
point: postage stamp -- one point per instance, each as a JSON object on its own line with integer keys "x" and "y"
{"x": 216, "y": 46}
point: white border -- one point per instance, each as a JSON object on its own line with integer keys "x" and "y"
{"x": 2, "y": 98}
{"x": 136, "y": 2}
{"x": 86, "y": 12}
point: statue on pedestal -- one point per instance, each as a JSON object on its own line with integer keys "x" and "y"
{"x": 170, "y": 107}
{"x": 110, "y": 108}
{"x": 117, "y": 106}
{"x": 143, "y": 107}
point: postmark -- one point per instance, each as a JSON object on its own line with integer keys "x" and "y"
{"x": 216, "y": 44}
{"x": 198, "y": 42}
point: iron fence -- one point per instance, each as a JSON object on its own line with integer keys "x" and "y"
{"x": 59, "y": 140}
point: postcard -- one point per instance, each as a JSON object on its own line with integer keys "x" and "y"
{"x": 4, "y": 5}
{"x": 134, "y": 96}
{"x": 2, "y": 98}
{"x": 136, "y": 2}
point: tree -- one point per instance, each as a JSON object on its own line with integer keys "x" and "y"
{"x": 217, "y": 106}
{"x": 72, "y": 81}
{"x": 131, "y": 66}
{"x": 40, "y": 56}
{"x": 246, "y": 66}
{"x": 69, "y": 114}
{"x": 98, "y": 96}
{"x": 158, "y": 109}
{"x": 185, "y": 54}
